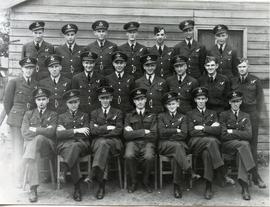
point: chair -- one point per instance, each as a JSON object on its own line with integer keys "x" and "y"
{"x": 162, "y": 172}
{"x": 117, "y": 158}
{"x": 86, "y": 159}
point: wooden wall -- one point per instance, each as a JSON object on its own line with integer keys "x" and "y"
{"x": 168, "y": 13}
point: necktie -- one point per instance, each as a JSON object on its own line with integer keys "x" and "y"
{"x": 211, "y": 79}
{"x": 132, "y": 47}
{"x": 149, "y": 79}
{"x": 160, "y": 50}
{"x": 54, "y": 81}
{"x": 235, "y": 114}
{"x": 105, "y": 113}
{"x": 73, "y": 114}
{"x": 242, "y": 79}
{"x": 37, "y": 46}
{"x": 172, "y": 115}
{"x": 119, "y": 76}
{"x": 101, "y": 44}
{"x": 88, "y": 77}
{"x": 189, "y": 44}
{"x": 69, "y": 47}
{"x": 40, "y": 113}
{"x": 202, "y": 112}
{"x": 180, "y": 79}
{"x": 220, "y": 48}
{"x": 28, "y": 81}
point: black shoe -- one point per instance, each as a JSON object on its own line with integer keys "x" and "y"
{"x": 245, "y": 193}
{"x": 132, "y": 188}
{"x": 33, "y": 194}
{"x": 100, "y": 192}
{"x": 208, "y": 191}
{"x": 259, "y": 182}
{"x": 177, "y": 191}
{"x": 147, "y": 188}
{"x": 77, "y": 196}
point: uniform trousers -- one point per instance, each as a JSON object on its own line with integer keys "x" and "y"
{"x": 244, "y": 157}
{"x": 139, "y": 152}
{"x": 17, "y": 145}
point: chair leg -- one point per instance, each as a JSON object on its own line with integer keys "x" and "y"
{"x": 160, "y": 173}
{"x": 52, "y": 173}
{"x": 125, "y": 175}
{"x": 119, "y": 172}
{"x": 156, "y": 169}
{"x": 58, "y": 173}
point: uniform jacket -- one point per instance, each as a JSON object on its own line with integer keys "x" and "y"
{"x": 241, "y": 126}
{"x": 44, "y": 51}
{"x": 196, "y": 118}
{"x": 196, "y": 57}
{"x": 253, "y": 98}
{"x": 139, "y": 124}
{"x": 217, "y": 90}
{"x": 164, "y": 68}
{"x": 18, "y": 99}
{"x": 56, "y": 102}
{"x": 134, "y": 66}
{"x": 104, "y": 61}
{"x": 168, "y": 125}
{"x": 88, "y": 95}
{"x": 227, "y": 61}
{"x": 154, "y": 92}
{"x": 99, "y": 123}
{"x": 122, "y": 89}
{"x": 71, "y": 62}
{"x": 32, "y": 119}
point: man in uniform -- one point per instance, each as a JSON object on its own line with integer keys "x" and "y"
{"x": 163, "y": 52}
{"x": 155, "y": 86}
{"x": 56, "y": 83}
{"x": 172, "y": 127}
{"x": 133, "y": 49}
{"x": 253, "y": 103}
{"x": 17, "y": 100}
{"x": 88, "y": 82}
{"x": 140, "y": 133}
{"x": 106, "y": 127}
{"x": 226, "y": 56}
{"x": 204, "y": 130}
{"x": 70, "y": 52}
{"x": 102, "y": 47}
{"x": 217, "y": 84}
{"x": 236, "y": 134}
{"x": 73, "y": 139}
{"x": 182, "y": 83}
{"x": 121, "y": 81}
{"x": 38, "y": 130}
{"x": 39, "y": 49}
{"x": 190, "y": 48}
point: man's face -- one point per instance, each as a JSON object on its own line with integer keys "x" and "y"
{"x": 88, "y": 65}
{"x": 172, "y": 106}
{"x": 189, "y": 33}
{"x": 243, "y": 68}
{"x": 211, "y": 67}
{"x": 132, "y": 35}
{"x": 38, "y": 35}
{"x": 221, "y": 38}
{"x": 235, "y": 104}
{"x": 28, "y": 71}
{"x": 42, "y": 102}
{"x": 140, "y": 102}
{"x": 55, "y": 70}
{"x": 201, "y": 101}
{"x": 119, "y": 65}
{"x": 150, "y": 68}
{"x": 73, "y": 105}
{"x": 70, "y": 37}
{"x": 160, "y": 37}
{"x": 105, "y": 101}
{"x": 180, "y": 69}
{"x": 101, "y": 34}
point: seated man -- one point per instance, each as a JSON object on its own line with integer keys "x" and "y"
{"x": 38, "y": 130}
{"x": 204, "y": 129}
{"x": 140, "y": 133}
{"x": 236, "y": 135}
{"x": 73, "y": 139}
{"x": 173, "y": 131}
{"x": 106, "y": 128}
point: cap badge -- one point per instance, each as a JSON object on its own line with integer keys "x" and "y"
{"x": 131, "y": 25}
{"x": 37, "y": 24}
{"x": 100, "y": 24}
{"x": 200, "y": 90}
{"x": 186, "y": 23}
{"x": 71, "y": 94}
{"x": 178, "y": 59}
{"x": 28, "y": 60}
{"x": 68, "y": 26}
{"x": 40, "y": 91}
{"x": 90, "y": 54}
{"x": 169, "y": 96}
{"x": 234, "y": 94}
{"x": 52, "y": 58}
{"x": 103, "y": 90}
{"x": 138, "y": 92}
{"x": 148, "y": 58}
{"x": 118, "y": 55}
{"x": 219, "y": 27}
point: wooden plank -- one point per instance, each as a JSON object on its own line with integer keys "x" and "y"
{"x": 258, "y": 53}
{"x": 232, "y": 14}
{"x": 258, "y": 61}
{"x": 262, "y": 76}
{"x": 258, "y": 37}
{"x": 257, "y": 45}
{"x": 260, "y": 69}
{"x": 257, "y": 30}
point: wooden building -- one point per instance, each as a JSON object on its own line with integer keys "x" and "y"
{"x": 248, "y": 22}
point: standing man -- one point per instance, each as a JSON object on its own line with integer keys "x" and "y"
{"x": 253, "y": 103}
{"x": 182, "y": 83}
{"x": 39, "y": 49}
{"x": 226, "y": 56}
{"x": 190, "y": 48}
{"x": 140, "y": 133}
{"x": 172, "y": 127}
{"x": 217, "y": 84}
{"x": 155, "y": 86}
{"x": 38, "y": 130}
{"x": 133, "y": 49}
{"x": 121, "y": 81}
{"x": 102, "y": 47}
{"x": 88, "y": 82}
{"x": 17, "y": 100}
{"x": 163, "y": 52}
{"x": 106, "y": 127}
{"x": 70, "y": 52}
{"x": 204, "y": 130}
{"x": 56, "y": 83}
{"x": 73, "y": 139}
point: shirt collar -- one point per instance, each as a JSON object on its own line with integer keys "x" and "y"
{"x": 223, "y": 46}
{"x": 200, "y": 110}
{"x": 75, "y": 112}
{"x": 152, "y": 76}
{"x": 237, "y": 112}
{"x": 86, "y": 73}
{"x": 40, "y": 43}
{"x": 107, "y": 109}
{"x": 56, "y": 79}
{"x": 129, "y": 43}
{"x": 182, "y": 76}
{"x": 191, "y": 41}
{"x": 43, "y": 110}
{"x": 27, "y": 79}
{"x": 99, "y": 42}
{"x": 121, "y": 74}
{"x": 72, "y": 46}
{"x": 214, "y": 76}
{"x": 162, "y": 46}
{"x": 245, "y": 76}
{"x": 138, "y": 111}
